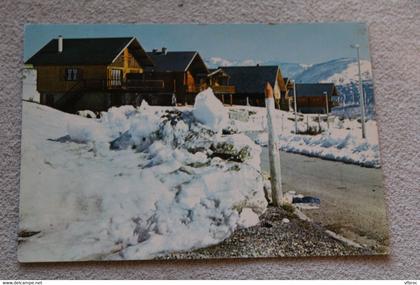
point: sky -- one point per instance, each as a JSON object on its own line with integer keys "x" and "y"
{"x": 239, "y": 43}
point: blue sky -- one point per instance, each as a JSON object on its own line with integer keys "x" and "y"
{"x": 298, "y": 43}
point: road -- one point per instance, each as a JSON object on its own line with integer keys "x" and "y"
{"x": 352, "y": 197}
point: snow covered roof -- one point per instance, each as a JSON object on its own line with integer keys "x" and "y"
{"x": 251, "y": 79}
{"x": 88, "y": 51}
{"x": 315, "y": 89}
{"x": 174, "y": 60}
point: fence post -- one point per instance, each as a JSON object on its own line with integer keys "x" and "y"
{"x": 319, "y": 122}
{"x": 282, "y": 122}
{"x": 273, "y": 149}
{"x": 307, "y": 123}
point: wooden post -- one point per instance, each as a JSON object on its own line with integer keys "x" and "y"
{"x": 307, "y": 123}
{"x": 231, "y": 100}
{"x": 282, "y": 123}
{"x": 319, "y": 122}
{"x": 295, "y": 106}
{"x": 326, "y": 110}
{"x": 223, "y": 98}
{"x": 273, "y": 149}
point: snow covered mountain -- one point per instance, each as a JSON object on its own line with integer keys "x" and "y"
{"x": 344, "y": 73}
{"x": 338, "y": 71}
{"x": 288, "y": 69}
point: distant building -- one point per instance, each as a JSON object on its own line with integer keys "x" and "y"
{"x": 186, "y": 74}
{"x": 313, "y": 97}
{"x": 250, "y": 81}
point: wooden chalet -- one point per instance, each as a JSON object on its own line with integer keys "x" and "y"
{"x": 250, "y": 81}
{"x": 92, "y": 73}
{"x": 185, "y": 74}
{"x": 219, "y": 81}
{"x": 312, "y": 97}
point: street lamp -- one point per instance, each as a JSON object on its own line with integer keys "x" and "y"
{"x": 295, "y": 104}
{"x": 361, "y": 99}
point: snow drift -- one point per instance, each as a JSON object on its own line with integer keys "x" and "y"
{"x": 210, "y": 111}
{"x": 168, "y": 184}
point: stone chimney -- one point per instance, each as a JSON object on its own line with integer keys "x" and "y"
{"x": 60, "y": 43}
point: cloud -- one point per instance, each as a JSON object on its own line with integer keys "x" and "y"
{"x": 249, "y": 62}
{"x": 220, "y": 61}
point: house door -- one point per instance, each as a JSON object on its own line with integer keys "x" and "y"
{"x": 116, "y": 77}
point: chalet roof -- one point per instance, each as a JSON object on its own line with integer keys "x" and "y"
{"x": 315, "y": 89}
{"x": 172, "y": 60}
{"x": 88, "y": 51}
{"x": 251, "y": 79}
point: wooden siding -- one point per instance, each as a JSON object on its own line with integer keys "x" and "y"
{"x": 51, "y": 79}
{"x": 125, "y": 62}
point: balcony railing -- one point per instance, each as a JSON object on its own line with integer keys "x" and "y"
{"x": 217, "y": 89}
{"x": 118, "y": 84}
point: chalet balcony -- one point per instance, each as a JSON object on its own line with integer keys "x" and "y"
{"x": 217, "y": 89}
{"x": 117, "y": 84}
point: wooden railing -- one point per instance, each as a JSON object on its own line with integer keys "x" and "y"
{"x": 217, "y": 89}
{"x": 116, "y": 84}
{"x": 227, "y": 89}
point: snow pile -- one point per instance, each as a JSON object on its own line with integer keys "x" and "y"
{"x": 116, "y": 119}
{"x": 142, "y": 126}
{"x": 175, "y": 186}
{"x": 210, "y": 111}
{"x": 248, "y": 218}
{"x": 84, "y": 130}
{"x": 87, "y": 114}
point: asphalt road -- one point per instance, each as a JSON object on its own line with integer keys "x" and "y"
{"x": 352, "y": 197}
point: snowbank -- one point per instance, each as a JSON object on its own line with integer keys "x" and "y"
{"x": 210, "y": 111}
{"x": 172, "y": 194}
{"x": 341, "y": 142}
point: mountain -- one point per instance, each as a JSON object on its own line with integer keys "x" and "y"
{"x": 292, "y": 70}
{"x": 343, "y": 72}
{"x": 288, "y": 69}
{"x": 338, "y": 71}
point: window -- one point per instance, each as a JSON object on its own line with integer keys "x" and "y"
{"x": 72, "y": 74}
{"x": 116, "y": 76}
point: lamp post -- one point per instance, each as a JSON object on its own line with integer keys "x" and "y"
{"x": 361, "y": 99}
{"x": 295, "y": 105}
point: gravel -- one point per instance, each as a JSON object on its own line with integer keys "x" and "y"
{"x": 273, "y": 237}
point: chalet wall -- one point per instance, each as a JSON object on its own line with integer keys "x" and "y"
{"x": 127, "y": 62}
{"x": 52, "y": 78}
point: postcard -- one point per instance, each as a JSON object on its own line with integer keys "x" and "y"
{"x": 184, "y": 141}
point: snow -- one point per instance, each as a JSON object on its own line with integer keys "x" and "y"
{"x": 351, "y": 73}
{"x": 86, "y": 113}
{"x": 342, "y": 142}
{"x": 140, "y": 182}
{"x": 82, "y": 130}
{"x": 29, "y": 85}
{"x": 248, "y": 218}
{"x": 210, "y": 111}
{"x": 90, "y": 202}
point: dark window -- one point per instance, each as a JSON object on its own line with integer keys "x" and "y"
{"x": 72, "y": 74}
